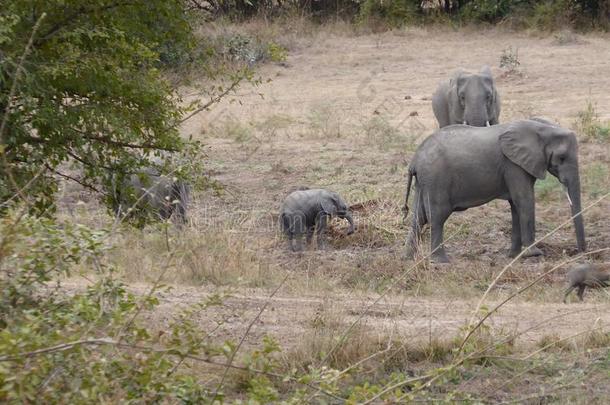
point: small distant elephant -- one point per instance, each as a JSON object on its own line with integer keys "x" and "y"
{"x": 307, "y": 212}
{"x": 460, "y": 167}
{"x": 585, "y": 276}
{"x": 467, "y": 98}
{"x": 150, "y": 195}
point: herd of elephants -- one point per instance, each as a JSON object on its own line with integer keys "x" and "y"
{"x": 469, "y": 161}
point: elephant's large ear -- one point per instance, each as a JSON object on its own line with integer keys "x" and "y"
{"x": 522, "y": 145}
{"x": 455, "y": 78}
{"x": 485, "y": 70}
{"x": 488, "y": 78}
{"x": 329, "y": 205}
{"x": 543, "y": 121}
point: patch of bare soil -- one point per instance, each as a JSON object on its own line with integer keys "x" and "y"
{"x": 289, "y": 317}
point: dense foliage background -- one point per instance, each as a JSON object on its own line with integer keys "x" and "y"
{"x": 547, "y": 14}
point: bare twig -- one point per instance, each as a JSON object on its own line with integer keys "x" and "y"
{"x": 433, "y": 376}
{"x": 383, "y": 294}
{"x": 501, "y": 273}
{"x": 243, "y": 338}
{"x": 153, "y": 288}
{"x": 110, "y": 342}
{"x": 74, "y": 179}
{"x": 25, "y": 187}
{"x": 213, "y": 100}
{"x": 471, "y": 330}
{"x": 572, "y": 336}
{"x": 113, "y": 142}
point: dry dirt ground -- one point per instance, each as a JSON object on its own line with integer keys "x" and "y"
{"x": 346, "y": 112}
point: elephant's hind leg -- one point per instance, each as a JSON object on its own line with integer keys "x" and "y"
{"x": 437, "y": 224}
{"x": 567, "y": 292}
{"x": 581, "y": 291}
{"x": 293, "y": 226}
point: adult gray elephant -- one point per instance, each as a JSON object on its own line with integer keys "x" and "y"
{"x": 307, "y": 212}
{"x": 467, "y": 98}
{"x": 149, "y": 195}
{"x": 460, "y": 166}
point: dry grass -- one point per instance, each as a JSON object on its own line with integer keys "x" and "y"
{"x": 363, "y": 349}
{"x": 344, "y": 121}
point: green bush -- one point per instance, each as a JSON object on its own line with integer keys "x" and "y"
{"x": 552, "y": 15}
{"x": 393, "y": 13}
{"x": 589, "y": 125}
{"x": 91, "y": 94}
{"x": 88, "y": 346}
{"x": 488, "y": 10}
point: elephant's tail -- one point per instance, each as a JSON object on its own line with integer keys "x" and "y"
{"x": 405, "y": 208}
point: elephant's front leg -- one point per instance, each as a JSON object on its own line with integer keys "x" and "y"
{"x": 526, "y": 206}
{"x": 515, "y": 245}
{"x": 310, "y": 233}
{"x": 298, "y": 244}
{"x": 321, "y": 222}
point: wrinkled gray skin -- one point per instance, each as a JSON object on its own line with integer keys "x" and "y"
{"x": 467, "y": 98}
{"x": 305, "y": 212}
{"x": 155, "y": 195}
{"x": 586, "y": 275}
{"x": 460, "y": 167}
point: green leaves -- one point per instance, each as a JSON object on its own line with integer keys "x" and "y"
{"x": 90, "y": 92}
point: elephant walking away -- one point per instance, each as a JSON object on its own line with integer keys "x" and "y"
{"x": 459, "y": 167}
{"x": 467, "y": 98}
{"x": 306, "y": 212}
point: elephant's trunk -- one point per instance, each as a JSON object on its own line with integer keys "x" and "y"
{"x": 476, "y": 118}
{"x": 574, "y": 196}
{"x": 348, "y": 217}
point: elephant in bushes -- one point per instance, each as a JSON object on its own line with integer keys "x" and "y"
{"x": 470, "y": 99}
{"x": 460, "y": 166}
{"x": 150, "y": 195}
{"x": 307, "y": 212}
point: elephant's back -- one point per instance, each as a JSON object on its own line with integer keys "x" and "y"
{"x": 301, "y": 200}
{"x": 464, "y": 137}
{"x": 453, "y": 145}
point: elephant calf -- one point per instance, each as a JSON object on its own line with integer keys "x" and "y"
{"x": 470, "y": 99}
{"x": 586, "y": 275}
{"x": 150, "y": 195}
{"x": 461, "y": 166}
{"x": 307, "y": 212}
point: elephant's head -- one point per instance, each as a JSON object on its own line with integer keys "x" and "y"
{"x": 476, "y": 97}
{"x": 538, "y": 146}
{"x": 335, "y": 206}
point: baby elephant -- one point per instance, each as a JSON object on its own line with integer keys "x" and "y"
{"x": 307, "y": 211}
{"x": 583, "y": 276}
